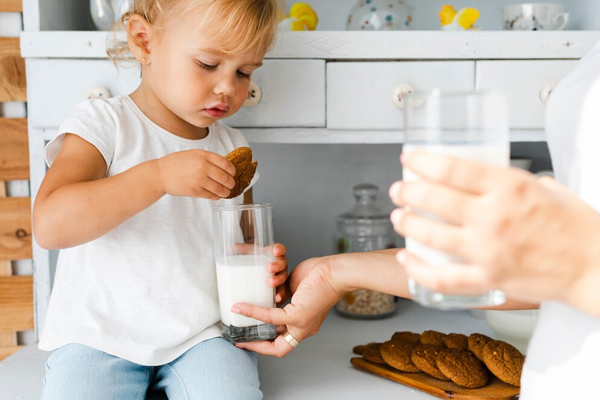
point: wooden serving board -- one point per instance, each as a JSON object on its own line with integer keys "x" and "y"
{"x": 495, "y": 389}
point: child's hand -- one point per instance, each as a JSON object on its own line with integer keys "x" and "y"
{"x": 280, "y": 274}
{"x": 196, "y": 173}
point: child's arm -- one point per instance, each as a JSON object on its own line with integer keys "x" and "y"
{"x": 76, "y": 203}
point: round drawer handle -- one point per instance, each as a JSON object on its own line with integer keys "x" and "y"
{"x": 97, "y": 92}
{"x": 254, "y": 95}
{"x": 400, "y": 93}
{"x": 546, "y": 92}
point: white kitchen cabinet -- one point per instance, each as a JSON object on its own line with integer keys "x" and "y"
{"x": 326, "y": 86}
{"x": 360, "y": 94}
{"x": 527, "y": 85}
{"x": 292, "y": 95}
{"x": 61, "y": 84}
{"x": 286, "y": 86}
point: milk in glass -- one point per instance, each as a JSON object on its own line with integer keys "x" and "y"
{"x": 243, "y": 280}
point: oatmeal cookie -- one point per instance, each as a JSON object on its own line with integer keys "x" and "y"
{"x": 504, "y": 361}
{"x": 372, "y": 353}
{"x": 241, "y": 158}
{"x": 408, "y": 336}
{"x": 433, "y": 337}
{"x": 476, "y": 342}
{"x": 462, "y": 368}
{"x": 456, "y": 341}
{"x": 397, "y": 354}
{"x": 423, "y": 356}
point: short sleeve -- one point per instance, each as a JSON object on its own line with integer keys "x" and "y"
{"x": 588, "y": 146}
{"x": 94, "y": 121}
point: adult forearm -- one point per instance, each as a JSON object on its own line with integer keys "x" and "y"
{"x": 380, "y": 271}
{"x": 375, "y": 270}
{"x": 80, "y": 212}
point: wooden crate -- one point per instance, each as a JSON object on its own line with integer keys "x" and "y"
{"x": 11, "y": 6}
{"x": 16, "y": 292}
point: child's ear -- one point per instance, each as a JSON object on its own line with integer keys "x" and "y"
{"x": 139, "y": 36}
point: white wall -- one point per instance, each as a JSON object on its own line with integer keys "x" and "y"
{"x": 309, "y": 185}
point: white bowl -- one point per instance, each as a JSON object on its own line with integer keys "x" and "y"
{"x": 514, "y": 327}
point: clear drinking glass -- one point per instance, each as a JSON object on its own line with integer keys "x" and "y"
{"x": 243, "y": 238}
{"x": 467, "y": 124}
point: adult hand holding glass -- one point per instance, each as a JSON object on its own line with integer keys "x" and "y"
{"x": 531, "y": 238}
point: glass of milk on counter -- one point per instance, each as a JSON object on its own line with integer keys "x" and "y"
{"x": 243, "y": 238}
{"x": 468, "y": 124}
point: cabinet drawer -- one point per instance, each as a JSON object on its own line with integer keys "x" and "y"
{"x": 57, "y": 86}
{"x": 359, "y": 94}
{"x": 293, "y": 95}
{"x": 525, "y": 84}
{"x": 293, "y": 92}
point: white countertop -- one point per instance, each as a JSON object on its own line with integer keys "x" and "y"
{"x": 319, "y": 368}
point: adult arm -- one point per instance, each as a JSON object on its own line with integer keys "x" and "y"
{"x": 318, "y": 284}
{"x": 533, "y": 239}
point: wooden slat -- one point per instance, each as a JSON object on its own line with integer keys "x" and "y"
{"x": 11, "y": 6}
{"x": 13, "y": 85}
{"x": 16, "y": 303}
{"x": 15, "y": 228}
{"x": 7, "y": 351}
{"x": 8, "y": 340}
{"x": 14, "y": 149}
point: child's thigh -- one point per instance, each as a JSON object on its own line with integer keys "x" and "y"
{"x": 80, "y": 372}
{"x": 212, "y": 370}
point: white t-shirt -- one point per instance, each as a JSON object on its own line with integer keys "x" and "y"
{"x": 145, "y": 291}
{"x": 563, "y": 354}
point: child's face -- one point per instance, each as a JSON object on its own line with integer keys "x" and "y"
{"x": 194, "y": 79}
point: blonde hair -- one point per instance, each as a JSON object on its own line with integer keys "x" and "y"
{"x": 239, "y": 25}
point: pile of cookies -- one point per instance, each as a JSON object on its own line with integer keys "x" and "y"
{"x": 464, "y": 360}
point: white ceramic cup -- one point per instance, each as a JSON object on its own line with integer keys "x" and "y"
{"x": 515, "y": 327}
{"x": 535, "y": 17}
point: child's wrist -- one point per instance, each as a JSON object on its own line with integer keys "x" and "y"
{"x": 157, "y": 176}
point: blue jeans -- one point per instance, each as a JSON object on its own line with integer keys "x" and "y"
{"x": 212, "y": 370}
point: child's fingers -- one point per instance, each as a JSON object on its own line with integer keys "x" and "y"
{"x": 279, "y": 265}
{"x": 221, "y": 162}
{"x": 279, "y": 250}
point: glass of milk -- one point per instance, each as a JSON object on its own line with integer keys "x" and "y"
{"x": 467, "y": 124}
{"x": 243, "y": 239}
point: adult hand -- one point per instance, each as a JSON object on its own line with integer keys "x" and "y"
{"x": 531, "y": 238}
{"x": 313, "y": 297}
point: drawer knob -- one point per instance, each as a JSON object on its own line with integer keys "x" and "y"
{"x": 399, "y": 94}
{"x": 254, "y": 95}
{"x": 97, "y": 92}
{"x": 546, "y": 92}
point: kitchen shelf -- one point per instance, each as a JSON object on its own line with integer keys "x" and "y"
{"x": 343, "y": 45}
{"x": 328, "y": 136}
{"x": 325, "y": 136}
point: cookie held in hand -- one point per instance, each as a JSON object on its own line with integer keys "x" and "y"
{"x": 241, "y": 158}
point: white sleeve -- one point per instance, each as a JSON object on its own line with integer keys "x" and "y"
{"x": 94, "y": 121}
{"x": 588, "y": 147}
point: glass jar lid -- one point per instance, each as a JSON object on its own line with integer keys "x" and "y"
{"x": 365, "y": 218}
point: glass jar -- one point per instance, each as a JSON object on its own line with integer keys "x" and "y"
{"x": 106, "y": 12}
{"x": 365, "y": 228}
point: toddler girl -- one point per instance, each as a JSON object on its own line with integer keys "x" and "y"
{"x": 128, "y": 200}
